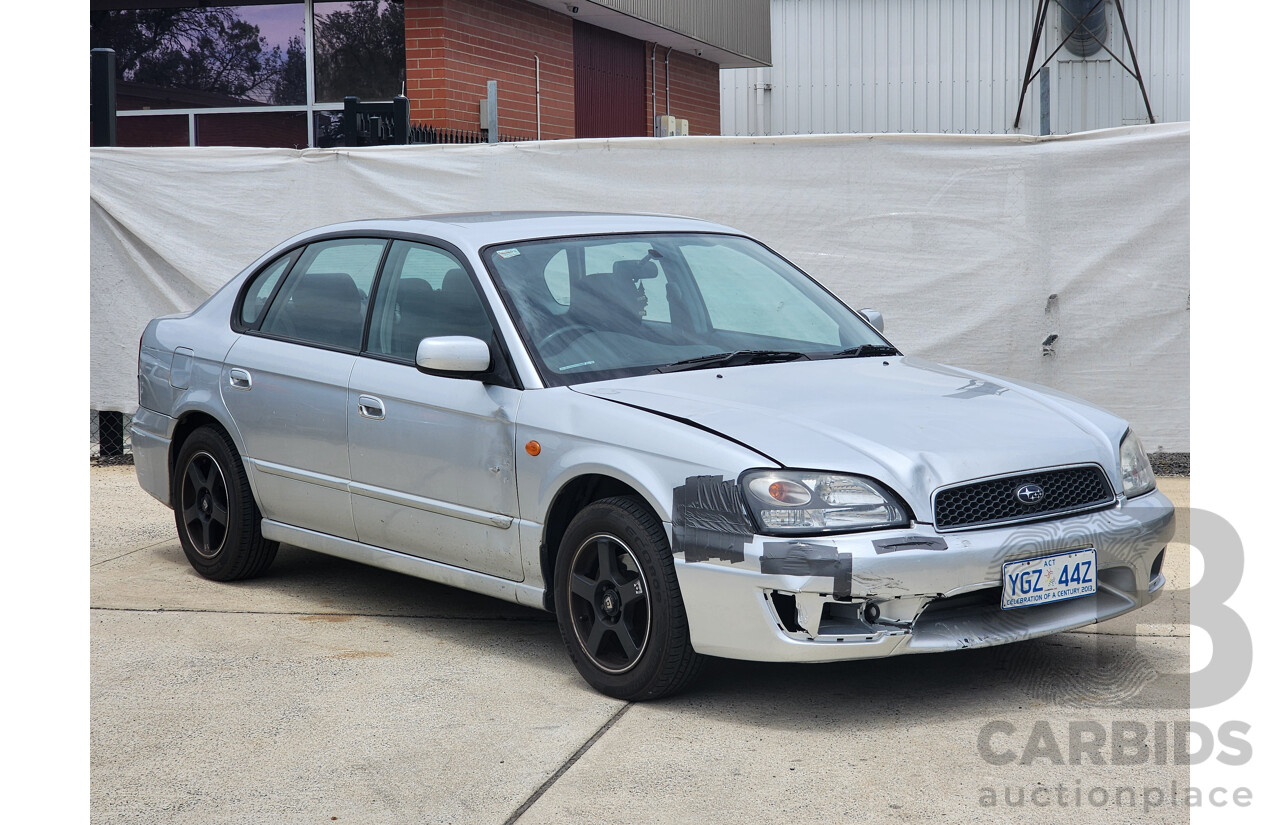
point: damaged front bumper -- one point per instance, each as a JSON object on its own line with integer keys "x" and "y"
{"x": 916, "y": 590}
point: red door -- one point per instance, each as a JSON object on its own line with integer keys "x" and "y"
{"x": 608, "y": 83}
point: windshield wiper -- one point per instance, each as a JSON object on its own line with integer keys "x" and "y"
{"x": 865, "y": 351}
{"x": 737, "y": 358}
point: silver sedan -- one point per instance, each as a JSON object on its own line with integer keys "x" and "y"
{"x": 654, "y": 427}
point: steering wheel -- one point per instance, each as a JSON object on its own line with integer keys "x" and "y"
{"x": 580, "y": 329}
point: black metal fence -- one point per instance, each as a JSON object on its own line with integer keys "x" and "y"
{"x": 424, "y": 133}
{"x": 388, "y": 124}
{"x": 109, "y": 438}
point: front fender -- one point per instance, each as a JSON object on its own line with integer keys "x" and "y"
{"x": 581, "y": 435}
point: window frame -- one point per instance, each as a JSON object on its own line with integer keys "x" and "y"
{"x": 237, "y": 309}
{"x": 503, "y": 371}
{"x": 300, "y": 251}
{"x": 310, "y": 107}
{"x": 552, "y": 379}
{"x": 376, "y": 292}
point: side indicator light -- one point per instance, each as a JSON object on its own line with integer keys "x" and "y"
{"x": 533, "y": 448}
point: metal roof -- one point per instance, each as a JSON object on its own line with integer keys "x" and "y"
{"x": 732, "y": 33}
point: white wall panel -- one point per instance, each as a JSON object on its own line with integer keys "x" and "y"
{"x": 951, "y": 66}
{"x": 959, "y": 239}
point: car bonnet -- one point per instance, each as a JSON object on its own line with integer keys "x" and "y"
{"x": 910, "y": 423}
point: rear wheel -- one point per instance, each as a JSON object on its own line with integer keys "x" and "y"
{"x": 218, "y": 520}
{"x": 618, "y": 603}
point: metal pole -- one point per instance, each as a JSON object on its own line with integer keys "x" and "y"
{"x": 653, "y": 84}
{"x": 537, "y": 91}
{"x": 102, "y": 120}
{"x": 400, "y": 119}
{"x": 309, "y": 50}
{"x": 1137, "y": 71}
{"x": 1036, "y": 31}
{"x": 350, "y": 127}
{"x": 1035, "y": 42}
{"x": 493, "y": 111}
{"x": 1045, "y": 122}
{"x": 102, "y": 97}
{"x": 666, "y": 76}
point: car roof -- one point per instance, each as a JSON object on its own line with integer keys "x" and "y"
{"x": 478, "y": 229}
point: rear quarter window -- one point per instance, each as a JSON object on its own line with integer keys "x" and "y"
{"x": 260, "y": 289}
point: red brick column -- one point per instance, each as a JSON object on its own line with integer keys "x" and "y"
{"x": 453, "y": 47}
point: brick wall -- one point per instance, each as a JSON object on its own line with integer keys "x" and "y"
{"x": 452, "y": 47}
{"x": 695, "y": 90}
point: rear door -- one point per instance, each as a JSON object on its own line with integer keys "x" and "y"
{"x": 285, "y": 382}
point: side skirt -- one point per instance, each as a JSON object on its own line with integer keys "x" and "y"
{"x": 522, "y": 594}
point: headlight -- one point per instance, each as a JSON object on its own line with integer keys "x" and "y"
{"x": 1135, "y": 468}
{"x": 788, "y": 502}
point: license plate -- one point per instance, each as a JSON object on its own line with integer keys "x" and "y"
{"x": 1049, "y": 578}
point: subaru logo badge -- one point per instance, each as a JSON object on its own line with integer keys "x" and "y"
{"x": 1030, "y": 493}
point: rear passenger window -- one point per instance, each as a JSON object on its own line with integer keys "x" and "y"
{"x": 256, "y": 296}
{"x": 424, "y": 293}
{"x": 323, "y": 300}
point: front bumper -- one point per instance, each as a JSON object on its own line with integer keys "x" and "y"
{"x": 932, "y": 591}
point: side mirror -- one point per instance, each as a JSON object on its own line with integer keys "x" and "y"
{"x": 453, "y": 353}
{"x": 874, "y": 318}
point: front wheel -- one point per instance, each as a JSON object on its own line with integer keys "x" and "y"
{"x": 618, "y": 603}
{"x": 218, "y": 520}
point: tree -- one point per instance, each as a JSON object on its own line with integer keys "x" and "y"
{"x": 360, "y": 51}
{"x": 291, "y": 87}
{"x": 209, "y": 50}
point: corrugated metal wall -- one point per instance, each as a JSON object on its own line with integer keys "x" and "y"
{"x": 951, "y": 66}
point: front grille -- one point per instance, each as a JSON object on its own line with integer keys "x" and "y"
{"x": 995, "y": 501}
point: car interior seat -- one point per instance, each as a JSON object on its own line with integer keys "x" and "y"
{"x": 457, "y": 309}
{"x": 325, "y": 308}
{"x": 415, "y": 299}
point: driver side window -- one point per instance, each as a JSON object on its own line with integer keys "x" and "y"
{"x": 424, "y": 292}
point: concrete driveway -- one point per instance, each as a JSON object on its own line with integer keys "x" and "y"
{"x": 330, "y": 692}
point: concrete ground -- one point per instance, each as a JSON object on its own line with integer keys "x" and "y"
{"x": 330, "y": 692}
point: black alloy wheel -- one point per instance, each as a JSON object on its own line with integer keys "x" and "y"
{"x": 618, "y": 602}
{"x": 609, "y": 603}
{"x": 203, "y": 503}
{"x": 218, "y": 521}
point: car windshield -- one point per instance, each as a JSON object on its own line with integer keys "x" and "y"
{"x": 610, "y": 306}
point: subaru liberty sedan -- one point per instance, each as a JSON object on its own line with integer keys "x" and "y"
{"x": 654, "y": 427}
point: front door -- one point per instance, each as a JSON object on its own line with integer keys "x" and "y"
{"x": 432, "y": 456}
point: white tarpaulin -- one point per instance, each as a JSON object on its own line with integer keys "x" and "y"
{"x": 977, "y": 249}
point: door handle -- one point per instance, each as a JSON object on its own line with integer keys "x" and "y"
{"x": 371, "y": 407}
{"x": 240, "y": 379}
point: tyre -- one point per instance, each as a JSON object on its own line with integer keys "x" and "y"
{"x": 218, "y": 520}
{"x": 618, "y": 602}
